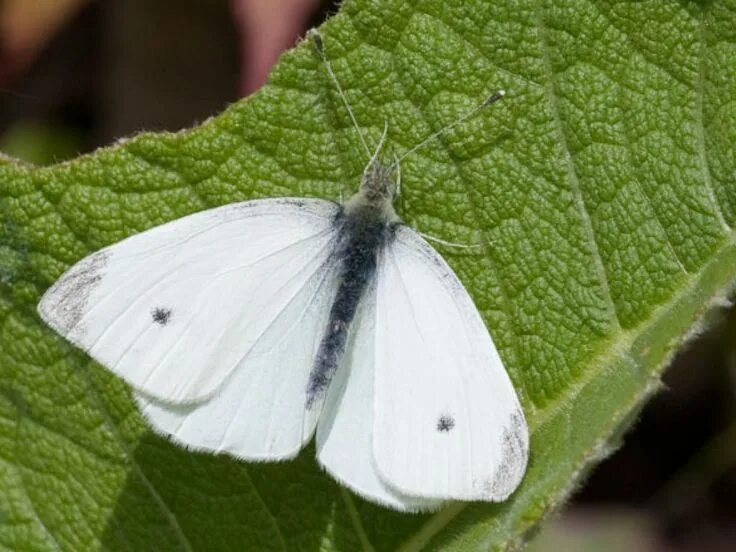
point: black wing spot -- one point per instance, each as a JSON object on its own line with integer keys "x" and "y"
{"x": 445, "y": 423}
{"x": 161, "y": 315}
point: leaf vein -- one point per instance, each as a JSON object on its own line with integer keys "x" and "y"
{"x": 266, "y": 508}
{"x": 700, "y": 124}
{"x": 158, "y": 499}
{"x": 356, "y": 521}
{"x": 570, "y": 163}
{"x": 31, "y": 504}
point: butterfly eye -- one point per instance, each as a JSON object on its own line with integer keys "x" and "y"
{"x": 161, "y": 315}
{"x": 445, "y": 423}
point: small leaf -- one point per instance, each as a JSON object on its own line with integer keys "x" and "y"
{"x": 602, "y": 188}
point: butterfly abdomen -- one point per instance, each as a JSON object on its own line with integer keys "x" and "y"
{"x": 363, "y": 232}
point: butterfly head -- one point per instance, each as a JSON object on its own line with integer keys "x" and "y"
{"x": 378, "y": 189}
{"x": 378, "y": 184}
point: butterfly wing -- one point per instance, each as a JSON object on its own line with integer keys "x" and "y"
{"x": 345, "y": 430}
{"x": 447, "y": 423}
{"x": 176, "y": 309}
{"x": 261, "y": 411}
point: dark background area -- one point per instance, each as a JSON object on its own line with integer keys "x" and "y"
{"x": 97, "y": 71}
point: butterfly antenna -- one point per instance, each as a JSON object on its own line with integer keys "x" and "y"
{"x": 320, "y": 47}
{"x": 490, "y": 100}
{"x": 398, "y": 175}
{"x": 380, "y": 145}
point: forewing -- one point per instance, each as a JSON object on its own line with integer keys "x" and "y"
{"x": 174, "y": 310}
{"x": 260, "y": 411}
{"x": 447, "y": 422}
{"x": 345, "y": 429}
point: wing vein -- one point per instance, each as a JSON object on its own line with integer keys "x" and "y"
{"x": 268, "y": 326}
{"x": 213, "y": 226}
{"x": 311, "y": 302}
{"x": 174, "y": 270}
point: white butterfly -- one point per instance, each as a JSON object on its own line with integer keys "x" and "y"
{"x": 247, "y": 328}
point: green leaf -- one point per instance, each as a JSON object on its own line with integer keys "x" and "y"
{"x": 603, "y": 185}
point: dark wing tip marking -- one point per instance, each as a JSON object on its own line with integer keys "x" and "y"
{"x": 515, "y": 448}
{"x": 64, "y": 304}
{"x": 445, "y": 423}
{"x": 161, "y": 315}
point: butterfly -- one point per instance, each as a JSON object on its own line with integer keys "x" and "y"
{"x": 248, "y": 328}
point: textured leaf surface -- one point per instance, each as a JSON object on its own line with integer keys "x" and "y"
{"x": 603, "y": 185}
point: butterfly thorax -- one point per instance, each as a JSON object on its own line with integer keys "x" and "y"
{"x": 366, "y": 224}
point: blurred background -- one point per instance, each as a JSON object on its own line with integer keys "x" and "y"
{"x": 78, "y": 74}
